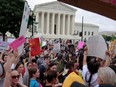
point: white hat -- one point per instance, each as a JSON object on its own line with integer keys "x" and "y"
{"x": 96, "y": 46}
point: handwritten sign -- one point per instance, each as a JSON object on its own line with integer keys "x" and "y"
{"x": 3, "y": 46}
{"x": 35, "y": 46}
{"x": 18, "y": 42}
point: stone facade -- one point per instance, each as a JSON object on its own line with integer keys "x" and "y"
{"x": 57, "y": 20}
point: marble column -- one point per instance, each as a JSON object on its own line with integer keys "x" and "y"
{"x": 58, "y": 24}
{"x": 37, "y": 21}
{"x": 52, "y": 31}
{"x": 48, "y": 22}
{"x": 72, "y": 24}
{"x": 63, "y": 25}
{"x": 42, "y": 23}
{"x": 68, "y": 28}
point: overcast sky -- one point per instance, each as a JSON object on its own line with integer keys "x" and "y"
{"x": 105, "y": 24}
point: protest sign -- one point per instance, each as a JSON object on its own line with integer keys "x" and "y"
{"x": 96, "y": 46}
{"x": 80, "y": 45}
{"x": 56, "y": 48}
{"x": 35, "y": 46}
{"x": 25, "y": 19}
{"x": 3, "y": 46}
{"x": 18, "y": 42}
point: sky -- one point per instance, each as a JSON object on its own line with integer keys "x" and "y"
{"x": 104, "y": 23}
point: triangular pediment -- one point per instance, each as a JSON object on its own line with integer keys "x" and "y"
{"x": 56, "y": 5}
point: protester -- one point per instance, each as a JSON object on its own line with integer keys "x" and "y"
{"x": 11, "y": 77}
{"x": 19, "y": 67}
{"x": 33, "y": 74}
{"x": 51, "y": 79}
{"x": 89, "y": 71}
{"x": 106, "y": 76}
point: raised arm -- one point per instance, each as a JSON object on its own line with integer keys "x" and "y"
{"x": 108, "y": 59}
{"x": 7, "y": 67}
{"x": 85, "y": 56}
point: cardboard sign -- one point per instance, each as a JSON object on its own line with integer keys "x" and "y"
{"x": 18, "y": 42}
{"x": 35, "y": 46}
{"x": 96, "y": 46}
{"x": 3, "y": 46}
{"x": 80, "y": 45}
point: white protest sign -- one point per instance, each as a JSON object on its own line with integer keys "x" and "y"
{"x": 3, "y": 46}
{"x": 56, "y": 47}
{"x": 96, "y": 46}
{"x": 25, "y": 18}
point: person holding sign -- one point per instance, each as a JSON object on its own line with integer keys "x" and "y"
{"x": 94, "y": 57}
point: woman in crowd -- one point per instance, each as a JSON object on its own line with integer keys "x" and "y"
{"x": 11, "y": 77}
{"x": 19, "y": 67}
{"x": 52, "y": 66}
{"x": 33, "y": 74}
{"x": 28, "y": 65}
{"x": 4, "y": 57}
{"x": 90, "y": 68}
{"x": 15, "y": 79}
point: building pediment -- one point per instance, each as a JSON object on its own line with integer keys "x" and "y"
{"x": 56, "y": 5}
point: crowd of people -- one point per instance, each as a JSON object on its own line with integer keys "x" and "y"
{"x": 67, "y": 68}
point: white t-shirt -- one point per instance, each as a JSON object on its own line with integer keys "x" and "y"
{"x": 86, "y": 75}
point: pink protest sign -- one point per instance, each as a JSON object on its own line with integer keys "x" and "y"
{"x": 18, "y": 42}
{"x": 80, "y": 45}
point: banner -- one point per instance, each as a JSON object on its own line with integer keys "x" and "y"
{"x": 18, "y": 42}
{"x": 3, "y": 46}
{"x": 35, "y": 46}
{"x": 25, "y": 18}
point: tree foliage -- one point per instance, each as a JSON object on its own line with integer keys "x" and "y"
{"x": 10, "y": 16}
{"x": 109, "y": 38}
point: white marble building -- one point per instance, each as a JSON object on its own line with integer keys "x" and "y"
{"x": 57, "y": 20}
{"x": 88, "y": 30}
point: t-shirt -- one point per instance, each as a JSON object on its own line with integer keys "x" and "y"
{"x": 86, "y": 75}
{"x": 33, "y": 83}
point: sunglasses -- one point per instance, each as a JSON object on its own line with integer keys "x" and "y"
{"x": 14, "y": 77}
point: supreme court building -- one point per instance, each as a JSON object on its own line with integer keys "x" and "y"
{"x": 57, "y": 20}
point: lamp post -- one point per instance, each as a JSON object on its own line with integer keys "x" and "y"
{"x": 82, "y": 29}
{"x": 81, "y": 33}
{"x": 32, "y": 19}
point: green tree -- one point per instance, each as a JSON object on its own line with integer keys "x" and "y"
{"x": 10, "y": 16}
{"x": 107, "y": 38}
{"x": 113, "y": 37}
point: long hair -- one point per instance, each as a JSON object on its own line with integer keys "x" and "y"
{"x": 93, "y": 67}
{"x": 18, "y": 64}
{"x": 32, "y": 71}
